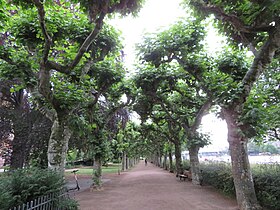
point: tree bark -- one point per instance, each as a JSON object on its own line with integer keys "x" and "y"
{"x": 58, "y": 146}
{"x": 194, "y": 161}
{"x": 243, "y": 181}
{"x": 156, "y": 159}
{"x": 126, "y": 163}
{"x": 165, "y": 161}
{"x": 130, "y": 163}
{"x": 97, "y": 172}
{"x": 18, "y": 153}
{"x": 123, "y": 161}
{"x": 178, "y": 156}
{"x": 170, "y": 161}
{"x": 19, "y": 143}
{"x": 160, "y": 159}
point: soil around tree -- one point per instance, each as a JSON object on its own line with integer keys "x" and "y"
{"x": 150, "y": 188}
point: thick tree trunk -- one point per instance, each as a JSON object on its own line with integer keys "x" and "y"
{"x": 21, "y": 141}
{"x": 178, "y": 160}
{"x": 243, "y": 181}
{"x": 194, "y": 161}
{"x": 97, "y": 172}
{"x": 18, "y": 153}
{"x": 58, "y": 146}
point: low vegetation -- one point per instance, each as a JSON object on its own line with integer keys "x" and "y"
{"x": 266, "y": 180}
{"x": 110, "y": 168}
{"x": 24, "y": 185}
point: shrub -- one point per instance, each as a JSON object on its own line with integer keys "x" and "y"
{"x": 68, "y": 204}
{"x": 266, "y": 180}
{"x": 24, "y": 185}
{"x": 172, "y": 167}
{"x": 186, "y": 165}
{"x": 219, "y": 175}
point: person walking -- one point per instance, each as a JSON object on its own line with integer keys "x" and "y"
{"x": 146, "y": 162}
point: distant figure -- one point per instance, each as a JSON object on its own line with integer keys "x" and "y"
{"x": 146, "y": 162}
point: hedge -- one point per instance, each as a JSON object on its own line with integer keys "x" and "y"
{"x": 266, "y": 180}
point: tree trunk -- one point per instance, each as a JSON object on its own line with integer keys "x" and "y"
{"x": 243, "y": 181}
{"x": 165, "y": 161}
{"x": 19, "y": 148}
{"x": 156, "y": 159}
{"x": 130, "y": 162}
{"x": 160, "y": 159}
{"x": 170, "y": 161}
{"x": 18, "y": 153}
{"x": 194, "y": 161}
{"x": 21, "y": 141}
{"x": 123, "y": 161}
{"x": 127, "y": 163}
{"x": 178, "y": 158}
{"x": 97, "y": 172}
{"x": 58, "y": 146}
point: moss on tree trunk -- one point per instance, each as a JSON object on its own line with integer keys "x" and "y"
{"x": 97, "y": 172}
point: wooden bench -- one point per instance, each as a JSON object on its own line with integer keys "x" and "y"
{"x": 182, "y": 176}
{"x": 186, "y": 175}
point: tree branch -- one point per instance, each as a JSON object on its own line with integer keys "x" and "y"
{"x": 117, "y": 108}
{"x": 119, "y": 6}
{"x": 262, "y": 60}
{"x": 88, "y": 41}
{"x": 242, "y": 33}
{"x": 192, "y": 71}
{"x": 221, "y": 15}
{"x": 5, "y": 57}
{"x": 202, "y": 111}
{"x": 48, "y": 39}
{"x": 58, "y": 67}
{"x": 44, "y": 73}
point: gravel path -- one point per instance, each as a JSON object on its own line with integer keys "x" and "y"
{"x": 152, "y": 188}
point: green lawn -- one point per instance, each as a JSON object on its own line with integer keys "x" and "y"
{"x": 111, "y": 168}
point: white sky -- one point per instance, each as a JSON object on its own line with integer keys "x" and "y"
{"x": 154, "y": 15}
{"x": 157, "y": 14}
{"x": 217, "y": 129}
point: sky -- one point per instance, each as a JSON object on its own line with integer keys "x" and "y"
{"x": 217, "y": 129}
{"x": 158, "y": 14}
{"x": 154, "y": 15}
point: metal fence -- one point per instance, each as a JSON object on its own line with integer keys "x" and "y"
{"x": 46, "y": 202}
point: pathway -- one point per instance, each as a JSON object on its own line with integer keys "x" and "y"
{"x": 152, "y": 188}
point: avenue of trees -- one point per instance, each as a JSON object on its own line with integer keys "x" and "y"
{"x": 66, "y": 61}
{"x": 64, "y": 89}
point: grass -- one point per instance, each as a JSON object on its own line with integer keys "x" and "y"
{"x": 110, "y": 169}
